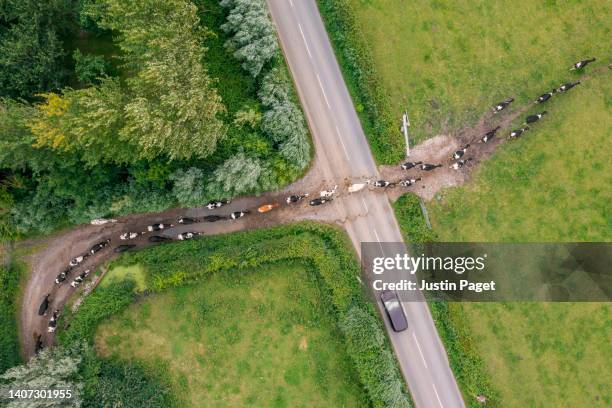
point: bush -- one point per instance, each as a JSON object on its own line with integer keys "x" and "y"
{"x": 409, "y": 214}
{"x": 283, "y": 121}
{"x": 9, "y": 342}
{"x": 254, "y": 41}
{"x": 99, "y": 305}
{"x": 88, "y": 68}
{"x": 363, "y": 82}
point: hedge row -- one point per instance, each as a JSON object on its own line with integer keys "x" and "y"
{"x": 371, "y": 101}
{"x": 324, "y": 248}
{"x": 9, "y": 342}
{"x": 450, "y": 320}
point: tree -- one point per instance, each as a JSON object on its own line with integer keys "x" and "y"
{"x": 172, "y": 108}
{"x": 52, "y": 369}
{"x": 237, "y": 175}
{"x": 188, "y": 186}
{"x": 283, "y": 121}
{"x": 16, "y": 140}
{"x": 31, "y": 54}
{"x": 254, "y": 38}
{"x": 250, "y": 116}
{"x": 87, "y": 121}
{"x": 88, "y": 68}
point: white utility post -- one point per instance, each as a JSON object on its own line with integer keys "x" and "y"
{"x": 405, "y": 126}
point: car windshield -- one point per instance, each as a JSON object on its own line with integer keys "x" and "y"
{"x": 392, "y": 304}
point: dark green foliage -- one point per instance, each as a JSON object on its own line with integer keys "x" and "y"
{"x": 31, "y": 50}
{"x": 99, "y": 305}
{"x": 9, "y": 342}
{"x": 409, "y": 214}
{"x": 115, "y": 383}
{"x": 88, "y": 68}
{"x": 464, "y": 359}
{"x": 52, "y": 175}
{"x": 368, "y": 96}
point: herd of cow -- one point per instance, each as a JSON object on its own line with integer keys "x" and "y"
{"x": 457, "y": 157}
{"x": 325, "y": 196}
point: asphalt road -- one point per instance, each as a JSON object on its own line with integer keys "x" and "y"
{"x": 343, "y": 152}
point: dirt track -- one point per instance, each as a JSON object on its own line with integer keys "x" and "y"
{"x": 60, "y": 248}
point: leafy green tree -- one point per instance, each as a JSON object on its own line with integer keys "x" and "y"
{"x": 188, "y": 186}
{"x": 237, "y": 175}
{"x": 172, "y": 109}
{"x": 52, "y": 368}
{"x": 16, "y": 140}
{"x": 31, "y": 53}
{"x": 88, "y": 68}
{"x": 250, "y": 116}
{"x": 254, "y": 38}
{"x": 87, "y": 121}
{"x": 283, "y": 121}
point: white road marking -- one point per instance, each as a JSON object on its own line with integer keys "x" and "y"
{"x": 364, "y": 204}
{"x": 382, "y": 251}
{"x": 323, "y": 90}
{"x": 304, "y": 38}
{"x": 420, "y": 351}
{"x": 437, "y": 396}
{"x": 342, "y": 142}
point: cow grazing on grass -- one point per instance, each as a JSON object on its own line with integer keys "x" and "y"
{"x": 581, "y": 64}
{"x": 566, "y": 87}
{"x": 515, "y": 134}
{"x": 489, "y": 135}
{"x": 502, "y": 105}
{"x": 534, "y": 118}
{"x": 544, "y": 97}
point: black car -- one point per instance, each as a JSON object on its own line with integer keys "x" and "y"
{"x": 159, "y": 238}
{"x": 99, "y": 246}
{"x": 394, "y": 310}
{"x": 123, "y": 248}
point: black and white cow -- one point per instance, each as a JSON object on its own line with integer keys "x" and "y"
{"x": 502, "y": 105}
{"x": 460, "y": 163}
{"x": 544, "y": 97}
{"x": 409, "y": 182}
{"x": 515, "y": 134}
{"x": 489, "y": 135}
{"x": 409, "y": 165}
{"x": 581, "y": 64}
{"x": 566, "y": 87}
{"x": 459, "y": 153}
{"x": 292, "y": 199}
{"x": 429, "y": 167}
{"x": 534, "y": 118}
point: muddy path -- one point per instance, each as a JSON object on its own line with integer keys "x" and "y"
{"x": 45, "y": 264}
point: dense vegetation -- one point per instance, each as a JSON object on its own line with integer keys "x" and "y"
{"x": 10, "y": 276}
{"x": 322, "y": 248}
{"x": 172, "y": 112}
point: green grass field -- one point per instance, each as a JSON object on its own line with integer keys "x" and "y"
{"x": 262, "y": 337}
{"x": 447, "y": 62}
